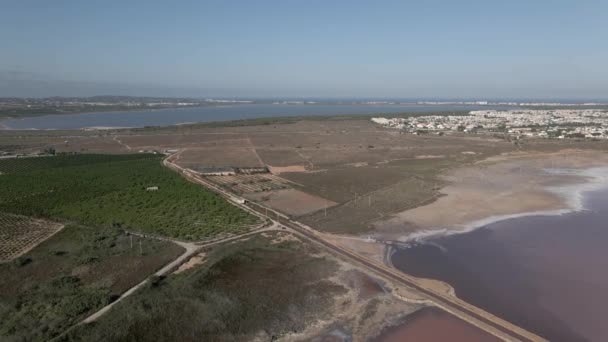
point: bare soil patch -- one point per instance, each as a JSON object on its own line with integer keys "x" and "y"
{"x": 277, "y": 170}
{"x": 220, "y": 156}
{"x": 245, "y": 184}
{"x": 281, "y": 157}
{"x": 291, "y": 201}
{"x": 196, "y": 260}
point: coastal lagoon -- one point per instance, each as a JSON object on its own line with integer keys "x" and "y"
{"x": 174, "y": 116}
{"x": 547, "y": 274}
{"x": 433, "y": 324}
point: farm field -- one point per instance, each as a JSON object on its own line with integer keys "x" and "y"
{"x": 110, "y": 191}
{"x": 70, "y": 275}
{"x": 242, "y": 184}
{"x": 220, "y": 154}
{"x": 371, "y": 172}
{"x": 19, "y": 234}
{"x": 369, "y": 193}
{"x": 22, "y": 165}
{"x": 291, "y": 201}
{"x": 268, "y": 287}
{"x": 33, "y": 141}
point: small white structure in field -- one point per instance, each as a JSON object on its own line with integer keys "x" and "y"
{"x": 381, "y": 121}
{"x": 152, "y": 188}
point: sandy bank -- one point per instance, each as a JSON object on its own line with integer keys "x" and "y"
{"x": 501, "y": 187}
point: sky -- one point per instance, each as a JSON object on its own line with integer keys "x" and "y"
{"x": 334, "y": 49}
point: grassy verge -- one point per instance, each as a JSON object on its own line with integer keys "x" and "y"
{"x": 110, "y": 190}
{"x": 254, "y": 288}
{"x": 70, "y": 276}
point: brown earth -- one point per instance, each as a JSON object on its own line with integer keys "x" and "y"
{"x": 291, "y": 201}
{"x": 277, "y": 170}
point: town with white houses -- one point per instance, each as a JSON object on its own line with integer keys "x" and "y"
{"x": 519, "y": 123}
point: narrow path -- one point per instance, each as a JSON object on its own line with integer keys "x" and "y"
{"x": 191, "y": 249}
{"x": 115, "y": 138}
{"x": 255, "y": 152}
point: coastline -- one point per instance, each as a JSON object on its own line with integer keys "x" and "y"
{"x": 20, "y": 118}
{"x": 502, "y": 188}
{"x": 573, "y": 196}
{"x": 106, "y": 111}
{"x": 551, "y": 252}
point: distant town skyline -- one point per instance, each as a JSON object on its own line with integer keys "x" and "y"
{"x": 338, "y": 49}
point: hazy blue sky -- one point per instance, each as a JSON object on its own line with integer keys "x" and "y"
{"x": 405, "y": 49}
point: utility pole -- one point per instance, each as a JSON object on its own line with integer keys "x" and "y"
{"x": 141, "y": 252}
{"x": 131, "y": 236}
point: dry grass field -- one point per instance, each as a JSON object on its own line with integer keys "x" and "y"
{"x": 19, "y": 234}
{"x": 220, "y": 156}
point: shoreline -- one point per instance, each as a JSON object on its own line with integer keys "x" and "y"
{"x": 380, "y": 109}
{"x": 549, "y": 252}
{"x": 103, "y": 112}
{"x": 573, "y": 196}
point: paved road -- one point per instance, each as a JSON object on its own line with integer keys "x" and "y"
{"x": 449, "y": 303}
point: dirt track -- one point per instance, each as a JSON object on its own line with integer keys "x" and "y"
{"x": 191, "y": 249}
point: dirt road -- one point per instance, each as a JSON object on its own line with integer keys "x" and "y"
{"x": 191, "y": 249}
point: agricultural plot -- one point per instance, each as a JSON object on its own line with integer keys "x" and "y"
{"x": 30, "y": 164}
{"x": 291, "y": 201}
{"x": 110, "y": 190}
{"x": 359, "y": 214}
{"x": 19, "y": 234}
{"x": 242, "y": 184}
{"x": 218, "y": 156}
